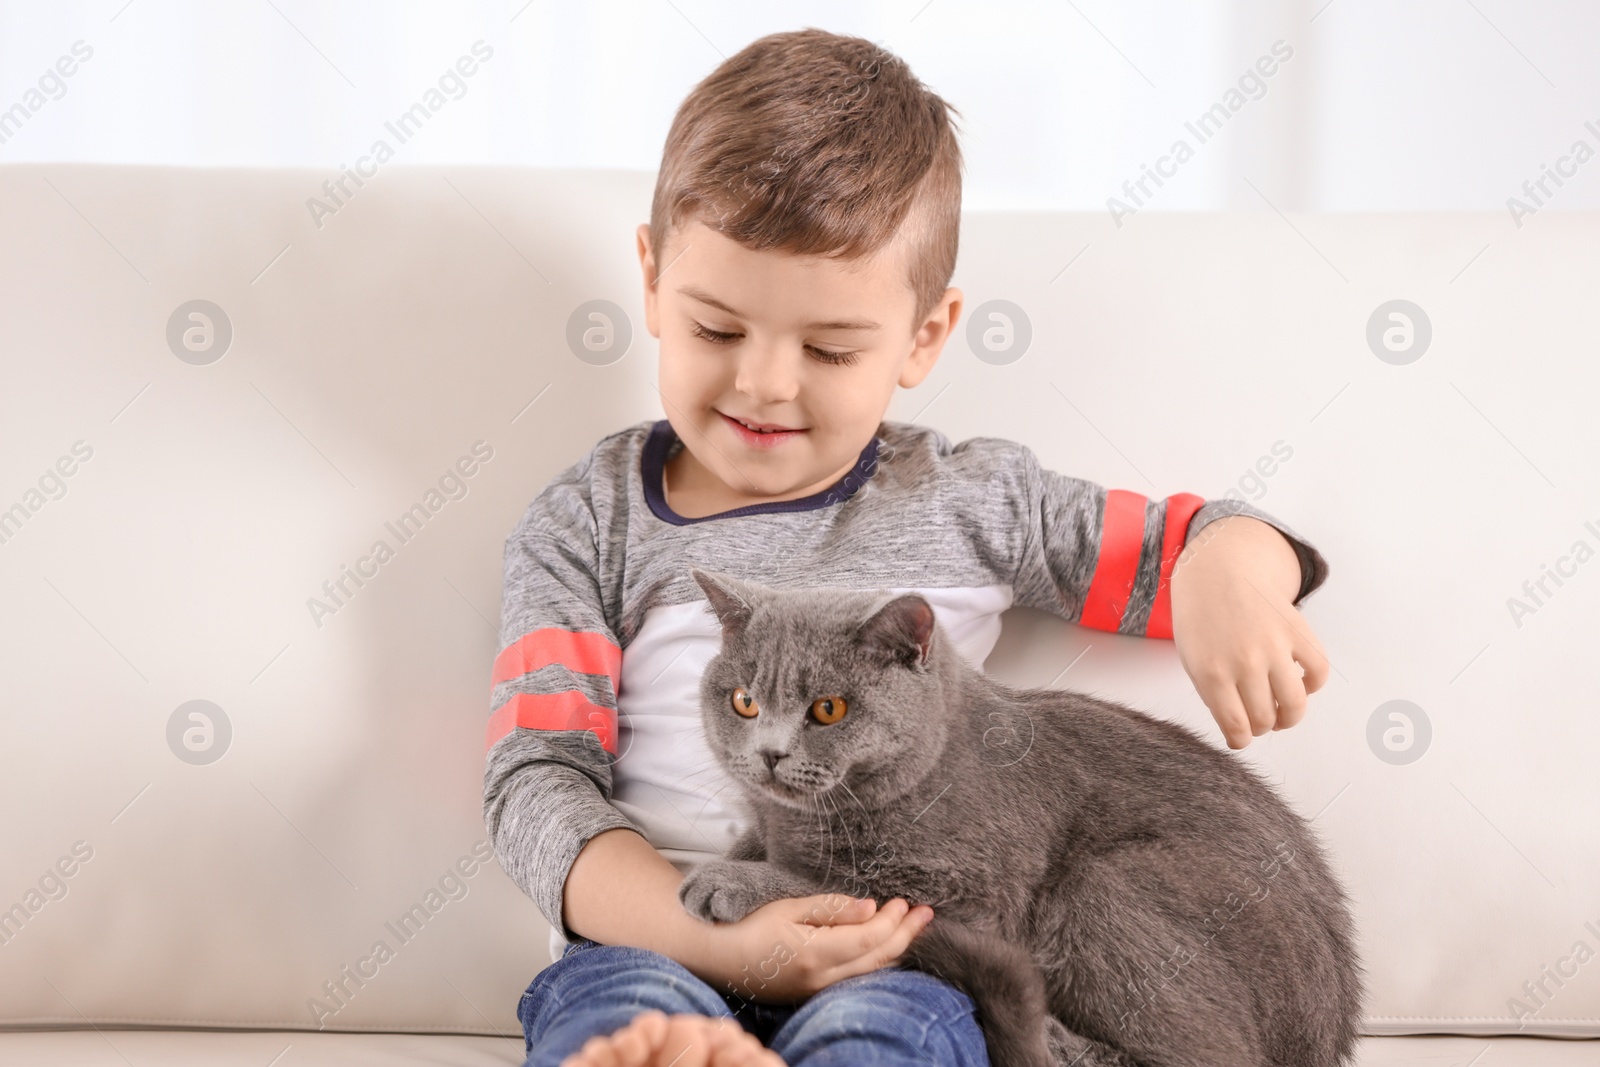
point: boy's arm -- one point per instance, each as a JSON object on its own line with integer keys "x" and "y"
{"x": 1104, "y": 558}
{"x": 550, "y": 747}
{"x": 1114, "y": 560}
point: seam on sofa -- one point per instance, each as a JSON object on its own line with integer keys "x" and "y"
{"x": 225, "y": 1026}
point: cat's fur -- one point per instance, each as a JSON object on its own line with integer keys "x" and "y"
{"x": 1108, "y": 888}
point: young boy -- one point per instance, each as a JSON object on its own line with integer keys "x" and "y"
{"x": 801, "y": 238}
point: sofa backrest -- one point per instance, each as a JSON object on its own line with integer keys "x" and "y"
{"x": 240, "y": 784}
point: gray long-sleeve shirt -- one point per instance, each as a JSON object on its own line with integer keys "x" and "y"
{"x": 595, "y": 718}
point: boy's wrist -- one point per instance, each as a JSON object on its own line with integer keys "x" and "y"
{"x": 702, "y": 947}
{"x": 1243, "y": 546}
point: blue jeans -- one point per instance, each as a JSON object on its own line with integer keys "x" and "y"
{"x": 885, "y": 1017}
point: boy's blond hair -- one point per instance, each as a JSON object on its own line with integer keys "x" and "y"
{"x": 815, "y": 143}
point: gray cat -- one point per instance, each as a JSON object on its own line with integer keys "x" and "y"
{"x": 1108, "y": 888}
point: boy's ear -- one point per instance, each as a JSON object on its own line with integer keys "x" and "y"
{"x": 648, "y": 267}
{"x": 930, "y": 338}
{"x": 731, "y": 599}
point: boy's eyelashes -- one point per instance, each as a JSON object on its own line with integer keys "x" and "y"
{"x": 823, "y": 355}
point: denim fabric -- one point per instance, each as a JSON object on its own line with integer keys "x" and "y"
{"x": 878, "y": 1019}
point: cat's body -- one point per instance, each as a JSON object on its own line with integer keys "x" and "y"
{"x": 1107, "y": 887}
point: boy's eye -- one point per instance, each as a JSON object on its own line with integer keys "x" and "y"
{"x": 713, "y": 336}
{"x": 824, "y": 355}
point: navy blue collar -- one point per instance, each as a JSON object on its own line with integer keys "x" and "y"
{"x": 654, "y": 463}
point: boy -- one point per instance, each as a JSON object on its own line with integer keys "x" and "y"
{"x": 801, "y": 238}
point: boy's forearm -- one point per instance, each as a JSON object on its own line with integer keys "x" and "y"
{"x": 621, "y": 891}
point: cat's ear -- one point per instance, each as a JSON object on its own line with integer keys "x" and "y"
{"x": 730, "y": 599}
{"x": 900, "y": 632}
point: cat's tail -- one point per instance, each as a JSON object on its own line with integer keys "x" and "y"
{"x": 1002, "y": 979}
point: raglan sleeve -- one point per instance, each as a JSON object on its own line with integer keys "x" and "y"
{"x": 552, "y": 733}
{"x": 1103, "y": 558}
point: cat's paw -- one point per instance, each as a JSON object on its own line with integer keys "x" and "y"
{"x": 721, "y": 891}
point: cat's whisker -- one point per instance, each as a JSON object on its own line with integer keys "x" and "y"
{"x": 824, "y": 829}
{"x": 855, "y": 870}
{"x": 824, "y": 834}
{"x": 827, "y": 831}
{"x": 709, "y": 764}
{"x": 710, "y": 768}
{"x": 871, "y": 826}
{"x": 696, "y": 776}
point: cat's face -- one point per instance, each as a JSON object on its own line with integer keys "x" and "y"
{"x": 822, "y": 689}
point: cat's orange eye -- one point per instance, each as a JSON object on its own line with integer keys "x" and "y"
{"x": 744, "y": 703}
{"x": 828, "y": 710}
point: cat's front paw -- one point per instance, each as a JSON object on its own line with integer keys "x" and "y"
{"x": 721, "y": 891}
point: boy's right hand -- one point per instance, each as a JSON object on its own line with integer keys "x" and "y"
{"x": 788, "y": 949}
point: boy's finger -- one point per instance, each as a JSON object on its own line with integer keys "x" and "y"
{"x": 881, "y": 927}
{"x": 834, "y": 909}
{"x": 847, "y": 942}
{"x": 916, "y": 921}
{"x": 1228, "y": 710}
{"x": 912, "y": 923}
{"x": 1256, "y": 691}
{"x": 1290, "y": 693}
{"x": 1314, "y": 661}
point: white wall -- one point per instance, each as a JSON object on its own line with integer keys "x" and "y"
{"x": 1410, "y": 105}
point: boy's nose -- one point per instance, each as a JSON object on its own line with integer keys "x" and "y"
{"x": 767, "y": 376}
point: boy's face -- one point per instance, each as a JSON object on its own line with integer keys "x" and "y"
{"x": 802, "y": 342}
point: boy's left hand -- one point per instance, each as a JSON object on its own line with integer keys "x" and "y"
{"x": 1237, "y": 631}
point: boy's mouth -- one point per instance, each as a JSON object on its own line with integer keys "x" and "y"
{"x": 761, "y": 434}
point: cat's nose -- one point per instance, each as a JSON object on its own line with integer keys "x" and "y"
{"x": 771, "y": 757}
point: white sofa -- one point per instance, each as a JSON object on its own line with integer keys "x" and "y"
{"x": 180, "y": 514}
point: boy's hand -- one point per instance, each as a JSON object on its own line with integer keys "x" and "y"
{"x": 1237, "y": 631}
{"x": 786, "y": 950}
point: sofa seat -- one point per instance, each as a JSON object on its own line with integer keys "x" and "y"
{"x": 211, "y": 1048}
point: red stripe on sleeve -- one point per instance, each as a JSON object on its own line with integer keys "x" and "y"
{"x": 570, "y": 710}
{"x": 585, "y": 653}
{"x": 1180, "y": 509}
{"x": 1121, "y": 540}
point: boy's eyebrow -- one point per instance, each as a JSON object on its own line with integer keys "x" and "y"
{"x": 704, "y": 297}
